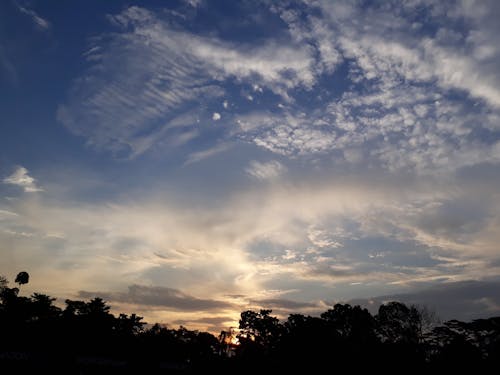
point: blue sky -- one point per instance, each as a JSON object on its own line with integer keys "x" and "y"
{"x": 188, "y": 160}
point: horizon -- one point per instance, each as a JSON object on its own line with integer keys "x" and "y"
{"x": 190, "y": 160}
{"x": 428, "y": 314}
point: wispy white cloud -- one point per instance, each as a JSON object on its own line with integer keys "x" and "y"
{"x": 6, "y": 214}
{"x": 402, "y": 110}
{"x": 410, "y": 50}
{"x": 39, "y": 22}
{"x": 279, "y": 67}
{"x": 198, "y": 156}
{"x": 117, "y": 105}
{"x": 21, "y": 178}
{"x": 194, "y": 3}
{"x": 265, "y": 170}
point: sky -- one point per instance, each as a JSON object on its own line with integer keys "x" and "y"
{"x": 189, "y": 160}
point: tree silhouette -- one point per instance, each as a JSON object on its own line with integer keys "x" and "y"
{"x": 351, "y": 323}
{"x": 53, "y": 340}
{"x": 3, "y": 282}
{"x": 261, "y": 327}
{"x": 129, "y": 325}
{"x": 43, "y": 307}
{"x": 22, "y": 278}
{"x": 259, "y": 337}
{"x": 398, "y": 323}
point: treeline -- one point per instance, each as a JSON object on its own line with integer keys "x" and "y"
{"x": 85, "y": 338}
{"x": 398, "y": 338}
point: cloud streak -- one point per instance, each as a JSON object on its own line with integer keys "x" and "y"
{"x": 277, "y": 303}
{"x": 160, "y": 296}
{"x": 198, "y": 156}
{"x": 21, "y": 178}
{"x": 40, "y": 23}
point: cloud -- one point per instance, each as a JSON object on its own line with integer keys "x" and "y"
{"x": 409, "y": 51}
{"x": 315, "y": 235}
{"x": 290, "y": 134}
{"x": 121, "y": 109}
{"x": 198, "y": 156}
{"x": 39, "y": 22}
{"x": 159, "y": 296}
{"x": 266, "y": 170}
{"x": 279, "y": 67}
{"x": 6, "y": 214}
{"x": 402, "y": 109}
{"x": 21, "y": 178}
{"x": 193, "y": 3}
{"x": 284, "y": 304}
{"x": 402, "y": 128}
{"x": 463, "y": 300}
{"x": 417, "y": 99}
{"x": 322, "y": 238}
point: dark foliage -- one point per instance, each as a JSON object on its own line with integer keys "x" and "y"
{"x": 85, "y": 338}
{"x": 22, "y": 278}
